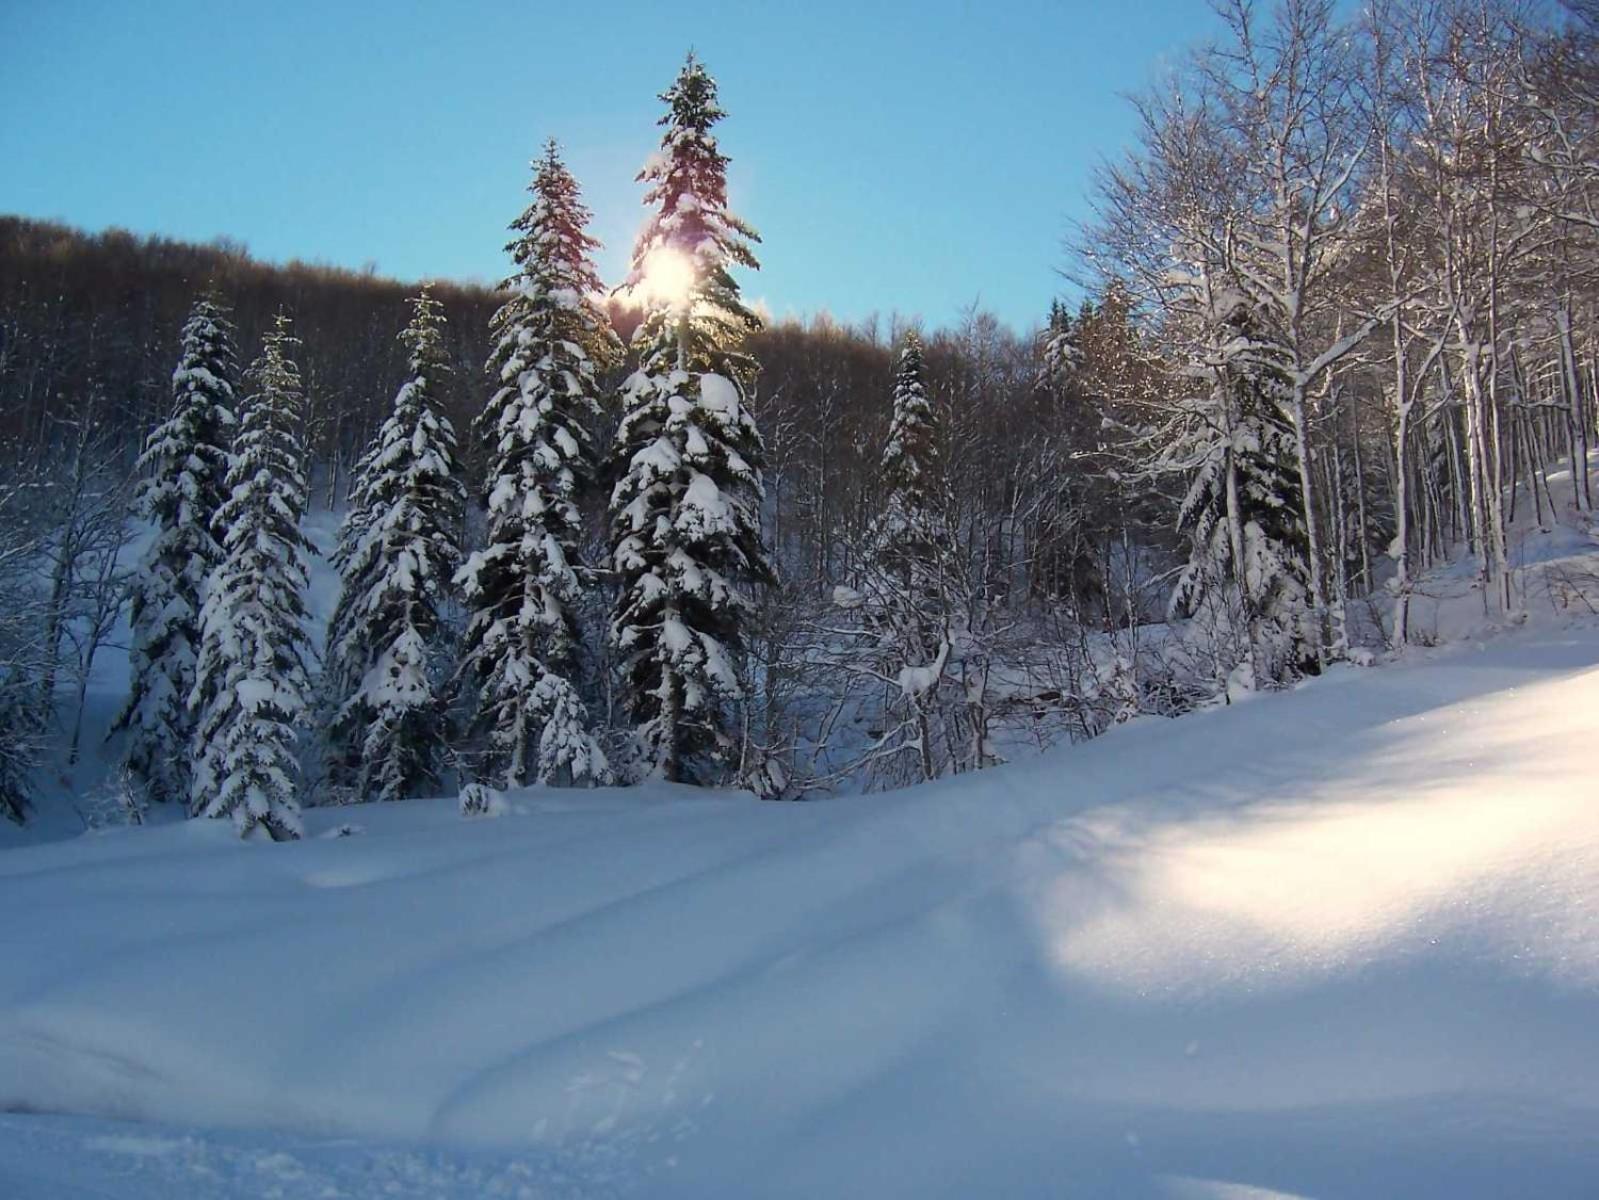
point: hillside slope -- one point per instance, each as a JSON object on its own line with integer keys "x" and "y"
{"x": 1339, "y": 943}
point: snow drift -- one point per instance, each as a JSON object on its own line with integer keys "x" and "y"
{"x": 1342, "y": 943}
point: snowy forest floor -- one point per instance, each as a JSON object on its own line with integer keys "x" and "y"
{"x": 1338, "y": 943}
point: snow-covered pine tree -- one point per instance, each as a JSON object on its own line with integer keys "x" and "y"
{"x": 397, "y": 554}
{"x": 1241, "y": 514}
{"x": 1060, "y": 349}
{"x": 907, "y": 534}
{"x": 186, "y": 458}
{"x": 906, "y": 580}
{"x": 251, "y": 688}
{"x": 686, "y": 505}
{"x": 21, "y": 735}
{"x": 908, "y": 539}
{"x": 26, "y": 522}
{"x": 551, "y": 337}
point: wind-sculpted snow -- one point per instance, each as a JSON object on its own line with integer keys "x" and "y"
{"x": 1340, "y": 943}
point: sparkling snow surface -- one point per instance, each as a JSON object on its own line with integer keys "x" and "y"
{"x": 1338, "y": 943}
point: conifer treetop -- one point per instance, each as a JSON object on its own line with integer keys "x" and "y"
{"x": 207, "y": 345}
{"x": 911, "y": 455}
{"x": 267, "y": 459}
{"x": 692, "y": 224}
{"x": 1060, "y": 347}
{"x": 186, "y": 456}
{"x": 423, "y": 335}
{"x": 554, "y": 291}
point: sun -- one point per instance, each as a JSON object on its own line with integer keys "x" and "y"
{"x": 668, "y": 277}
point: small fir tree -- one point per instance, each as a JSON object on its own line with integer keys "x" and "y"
{"x": 251, "y": 688}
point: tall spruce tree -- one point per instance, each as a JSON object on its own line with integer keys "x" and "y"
{"x": 186, "y": 460}
{"x": 1242, "y": 513}
{"x": 906, "y": 583}
{"x": 21, "y": 649}
{"x": 397, "y": 555}
{"x": 685, "y": 508}
{"x": 522, "y": 588}
{"x": 908, "y": 534}
{"x": 21, "y": 737}
{"x": 251, "y": 688}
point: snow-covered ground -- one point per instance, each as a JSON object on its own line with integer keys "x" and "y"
{"x": 1338, "y": 943}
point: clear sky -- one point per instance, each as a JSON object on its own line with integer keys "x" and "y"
{"x": 895, "y": 157}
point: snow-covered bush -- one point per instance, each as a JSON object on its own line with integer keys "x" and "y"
{"x": 480, "y": 800}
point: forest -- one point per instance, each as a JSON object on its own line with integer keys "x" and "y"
{"x": 1332, "y": 321}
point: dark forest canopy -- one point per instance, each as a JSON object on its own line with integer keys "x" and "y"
{"x": 104, "y": 310}
{"x": 91, "y": 321}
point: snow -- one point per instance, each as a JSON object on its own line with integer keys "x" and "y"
{"x": 705, "y": 511}
{"x": 1342, "y": 942}
{"x": 1338, "y": 943}
{"x": 919, "y": 680}
{"x": 847, "y": 597}
{"x": 55, "y": 1158}
{"x": 719, "y": 394}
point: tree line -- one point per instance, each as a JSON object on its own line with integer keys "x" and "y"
{"x": 1339, "y": 327}
{"x": 1363, "y": 252}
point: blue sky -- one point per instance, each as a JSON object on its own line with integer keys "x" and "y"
{"x": 895, "y": 157}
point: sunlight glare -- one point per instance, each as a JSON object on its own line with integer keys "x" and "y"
{"x": 668, "y": 277}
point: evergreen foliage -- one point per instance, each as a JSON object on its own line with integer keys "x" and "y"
{"x": 906, "y": 584}
{"x": 908, "y": 534}
{"x": 186, "y": 460}
{"x": 909, "y": 541}
{"x": 522, "y": 642}
{"x": 698, "y": 322}
{"x": 686, "y": 505}
{"x": 20, "y": 735}
{"x": 251, "y": 689}
{"x": 1255, "y": 542}
{"x": 1060, "y": 348}
{"x": 397, "y": 554}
